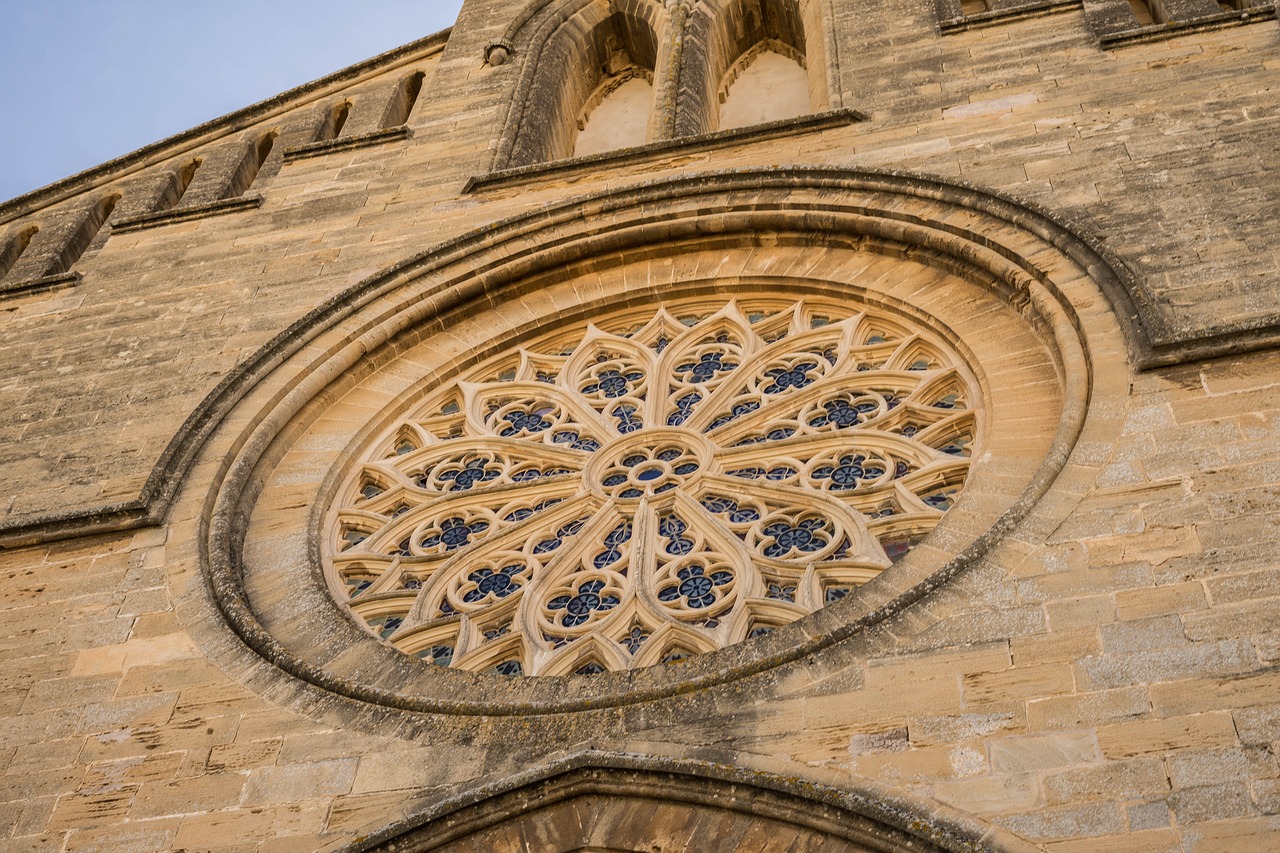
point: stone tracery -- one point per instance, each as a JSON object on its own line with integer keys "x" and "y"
{"x": 653, "y": 485}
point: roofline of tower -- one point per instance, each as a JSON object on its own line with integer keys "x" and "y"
{"x": 156, "y": 152}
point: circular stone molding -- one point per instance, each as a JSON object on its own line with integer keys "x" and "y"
{"x": 867, "y": 381}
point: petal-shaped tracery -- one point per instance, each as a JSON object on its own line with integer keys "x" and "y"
{"x": 652, "y": 485}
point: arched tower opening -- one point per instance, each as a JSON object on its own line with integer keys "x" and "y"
{"x": 592, "y": 85}
{"x": 752, "y": 61}
{"x": 768, "y": 83}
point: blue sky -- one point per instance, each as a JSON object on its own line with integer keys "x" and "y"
{"x": 84, "y": 81}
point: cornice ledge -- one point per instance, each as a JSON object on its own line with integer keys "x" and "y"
{"x": 185, "y": 214}
{"x": 1172, "y": 29}
{"x": 40, "y": 285}
{"x": 51, "y": 527}
{"x": 1001, "y": 16}
{"x": 347, "y": 143}
{"x": 810, "y": 123}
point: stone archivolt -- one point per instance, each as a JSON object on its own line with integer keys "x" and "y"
{"x": 653, "y": 485}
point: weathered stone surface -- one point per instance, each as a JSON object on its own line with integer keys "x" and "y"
{"x": 1102, "y": 678}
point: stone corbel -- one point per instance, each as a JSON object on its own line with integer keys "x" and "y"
{"x": 497, "y": 53}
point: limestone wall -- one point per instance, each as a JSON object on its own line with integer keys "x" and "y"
{"x": 1103, "y": 679}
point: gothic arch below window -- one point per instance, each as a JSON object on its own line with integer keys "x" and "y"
{"x": 632, "y": 804}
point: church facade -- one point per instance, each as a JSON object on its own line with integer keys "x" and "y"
{"x": 621, "y": 426}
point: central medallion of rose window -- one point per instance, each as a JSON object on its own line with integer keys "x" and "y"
{"x": 652, "y": 486}
{"x": 649, "y": 463}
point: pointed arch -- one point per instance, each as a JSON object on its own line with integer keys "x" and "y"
{"x": 617, "y": 115}
{"x": 767, "y": 83}
{"x": 252, "y": 165}
{"x": 578, "y": 55}
{"x": 605, "y": 801}
{"x": 725, "y": 37}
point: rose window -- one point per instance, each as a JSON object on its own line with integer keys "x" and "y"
{"x": 654, "y": 485}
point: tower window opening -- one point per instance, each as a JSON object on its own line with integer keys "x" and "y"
{"x": 251, "y": 166}
{"x": 83, "y": 236}
{"x": 617, "y": 115}
{"x": 181, "y": 183}
{"x": 338, "y": 119}
{"x": 406, "y": 97}
{"x": 769, "y": 83}
{"x": 1144, "y": 12}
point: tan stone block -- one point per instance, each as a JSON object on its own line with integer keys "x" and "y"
{"x": 1080, "y": 613}
{"x": 989, "y": 794}
{"x": 957, "y": 762}
{"x": 162, "y": 679}
{"x": 1197, "y": 768}
{"x": 958, "y": 728}
{"x": 1090, "y": 820}
{"x": 1230, "y": 589}
{"x": 1206, "y": 803}
{"x": 1244, "y": 835}
{"x": 1087, "y": 709}
{"x": 92, "y": 808}
{"x": 273, "y": 724}
{"x": 1233, "y": 620}
{"x": 1131, "y": 779}
{"x": 876, "y": 710}
{"x": 368, "y": 811}
{"x": 307, "y": 843}
{"x": 1197, "y": 695}
{"x": 884, "y": 672}
{"x": 1028, "y": 753}
{"x": 100, "y": 661}
{"x": 185, "y": 796}
{"x": 1018, "y": 683}
{"x": 150, "y": 626}
{"x": 297, "y": 782}
{"x": 148, "y": 837}
{"x": 413, "y": 769}
{"x": 152, "y": 767}
{"x": 244, "y": 756}
{"x": 1160, "y": 601}
{"x": 1146, "y": 841}
{"x": 250, "y": 826}
{"x": 1060, "y": 645}
{"x": 42, "y": 843}
{"x": 215, "y": 700}
{"x": 195, "y": 734}
{"x": 1127, "y": 740}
